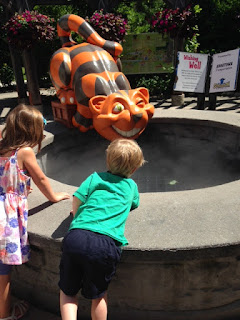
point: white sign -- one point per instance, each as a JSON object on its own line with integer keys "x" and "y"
{"x": 224, "y": 71}
{"x": 191, "y": 72}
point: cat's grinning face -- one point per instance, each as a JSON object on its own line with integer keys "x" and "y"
{"x": 123, "y": 114}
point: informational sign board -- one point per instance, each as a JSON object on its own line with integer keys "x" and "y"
{"x": 147, "y": 53}
{"x": 191, "y": 72}
{"x": 224, "y": 71}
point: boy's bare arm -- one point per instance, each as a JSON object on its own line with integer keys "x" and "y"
{"x": 75, "y": 205}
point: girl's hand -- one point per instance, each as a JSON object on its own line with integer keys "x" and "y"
{"x": 27, "y": 160}
{"x": 59, "y": 196}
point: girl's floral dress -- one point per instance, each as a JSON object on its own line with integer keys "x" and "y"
{"x": 14, "y": 189}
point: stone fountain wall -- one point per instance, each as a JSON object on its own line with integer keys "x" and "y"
{"x": 149, "y": 284}
{"x": 183, "y": 261}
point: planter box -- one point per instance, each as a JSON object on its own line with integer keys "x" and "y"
{"x": 63, "y": 113}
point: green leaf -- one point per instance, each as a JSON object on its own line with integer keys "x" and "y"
{"x": 173, "y": 182}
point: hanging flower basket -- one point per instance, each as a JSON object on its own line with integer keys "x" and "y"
{"x": 24, "y": 30}
{"x": 110, "y": 26}
{"x": 176, "y": 22}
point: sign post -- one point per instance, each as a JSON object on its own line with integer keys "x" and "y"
{"x": 224, "y": 71}
{"x": 191, "y": 72}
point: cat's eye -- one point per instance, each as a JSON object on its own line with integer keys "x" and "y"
{"x": 118, "y": 108}
{"x": 140, "y": 103}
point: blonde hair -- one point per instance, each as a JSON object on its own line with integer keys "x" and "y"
{"x": 24, "y": 128}
{"x": 124, "y": 156}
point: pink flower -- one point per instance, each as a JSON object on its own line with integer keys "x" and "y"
{"x": 154, "y": 23}
{"x": 29, "y": 22}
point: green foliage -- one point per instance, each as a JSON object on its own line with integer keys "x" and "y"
{"x": 6, "y": 75}
{"x": 158, "y": 85}
{"x": 139, "y": 12}
{"x": 56, "y": 11}
{"x": 136, "y": 20}
{"x": 219, "y": 25}
{"x": 192, "y": 44}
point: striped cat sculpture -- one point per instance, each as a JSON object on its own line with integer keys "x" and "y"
{"x": 88, "y": 75}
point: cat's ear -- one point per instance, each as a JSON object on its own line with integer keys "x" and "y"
{"x": 144, "y": 92}
{"x": 96, "y": 104}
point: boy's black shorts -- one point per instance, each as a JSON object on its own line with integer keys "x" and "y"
{"x": 88, "y": 263}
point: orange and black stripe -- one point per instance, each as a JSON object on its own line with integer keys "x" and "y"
{"x": 72, "y": 22}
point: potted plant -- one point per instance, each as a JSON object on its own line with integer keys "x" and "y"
{"x": 176, "y": 22}
{"x": 108, "y": 25}
{"x": 23, "y": 30}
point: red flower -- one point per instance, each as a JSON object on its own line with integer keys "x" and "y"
{"x": 179, "y": 21}
{"x": 109, "y": 26}
{"x": 22, "y": 30}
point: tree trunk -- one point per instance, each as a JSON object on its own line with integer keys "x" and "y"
{"x": 178, "y": 96}
{"x": 17, "y": 69}
{"x": 32, "y": 80}
{"x": 22, "y": 5}
{"x": 178, "y": 46}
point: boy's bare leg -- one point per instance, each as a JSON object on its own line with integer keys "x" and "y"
{"x": 68, "y": 306}
{"x": 5, "y": 295}
{"x": 99, "y": 308}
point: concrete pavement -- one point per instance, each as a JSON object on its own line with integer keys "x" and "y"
{"x": 230, "y": 103}
{"x": 9, "y": 100}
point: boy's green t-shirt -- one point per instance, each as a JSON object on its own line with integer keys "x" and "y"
{"x": 106, "y": 202}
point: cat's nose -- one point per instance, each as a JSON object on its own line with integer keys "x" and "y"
{"x": 136, "y": 117}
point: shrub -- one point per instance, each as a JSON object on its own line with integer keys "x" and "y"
{"x": 158, "y": 85}
{"x": 6, "y": 75}
{"x": 138, "y": 13}
{"x": 219, "y": 25}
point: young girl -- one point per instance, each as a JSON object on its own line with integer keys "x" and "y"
{"x": 18, "y": 164}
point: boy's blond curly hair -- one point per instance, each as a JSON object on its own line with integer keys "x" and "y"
{"x": 124, "y": 156}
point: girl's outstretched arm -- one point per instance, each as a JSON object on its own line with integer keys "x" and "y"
{"x": 28, "y": 159}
